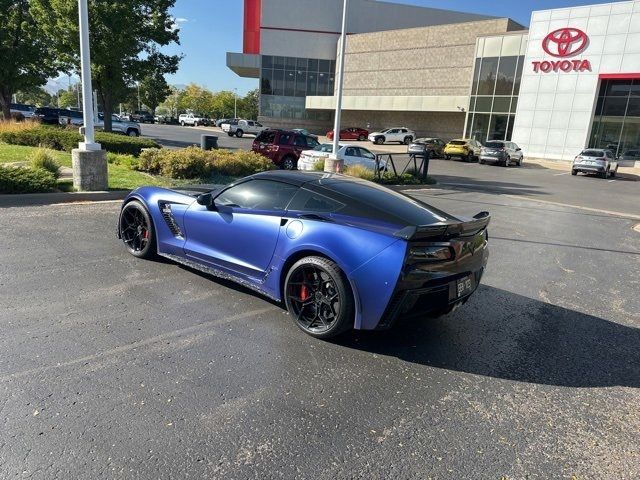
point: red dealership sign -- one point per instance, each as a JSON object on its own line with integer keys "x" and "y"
{"x": 564, "y": 43}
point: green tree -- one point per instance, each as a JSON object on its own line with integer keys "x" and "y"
{"x": 249, "y": 105}
{"x": 223, "y": 104}
{"x": 68, "y": 98}
{"x": 26, "y": 57}
{"x": 172, "y": 104}
{"x": 124, "y": 38}
{"x": 34, "y": 96}
{"x": 197, "y": 99}
{"x": 154, "y": 89}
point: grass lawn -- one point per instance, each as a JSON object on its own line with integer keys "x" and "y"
{"x": 120, "y": 176}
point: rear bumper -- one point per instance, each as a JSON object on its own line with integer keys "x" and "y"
{"x": 589, "y": 168}
{"x": 492, "y": 158}
{"x": 457, "y": 152}
{"x": 438, "y": 298}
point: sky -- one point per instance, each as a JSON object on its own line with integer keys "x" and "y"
{"x": 210, "y": 28}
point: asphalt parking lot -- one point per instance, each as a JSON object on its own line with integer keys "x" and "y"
{"x": 113, "y": 367}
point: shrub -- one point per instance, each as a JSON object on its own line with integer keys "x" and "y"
{"x": 45, "y": 160}
{"x": 360, "y": 172}
{"x": 25, "y": 180}
{"x": 319, "y": 166}
{"x": 13, "y": 126}
{"x": 58, "y": 138}
{"x": 129, "y": 161}
{"x": 195, "y": 163}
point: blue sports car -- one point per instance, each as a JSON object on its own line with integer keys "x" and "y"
{"x": 340, "y": 252}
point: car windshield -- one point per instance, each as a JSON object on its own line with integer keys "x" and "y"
{"x": 494, "y": 145}
{"x": 631, "y": 153}
{"x": 592, "y": 153}
{"x": 324, "y": 147}
{"x": 458, "y": 142}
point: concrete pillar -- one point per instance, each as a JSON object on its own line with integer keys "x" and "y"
{"x": 90, "y": 172}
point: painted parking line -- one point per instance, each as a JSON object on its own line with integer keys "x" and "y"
{"x": 611, "y": 181}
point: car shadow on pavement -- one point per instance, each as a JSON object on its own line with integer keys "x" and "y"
{"x": 492, "y": 186}
{"x": 508, "y": 336}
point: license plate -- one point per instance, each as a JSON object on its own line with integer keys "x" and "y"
{"x": 464, "y": 286}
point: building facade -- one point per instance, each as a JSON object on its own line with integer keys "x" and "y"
{"x": 571, "y": 81}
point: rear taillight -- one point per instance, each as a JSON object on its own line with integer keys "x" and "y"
{"x": 431, "y": 253}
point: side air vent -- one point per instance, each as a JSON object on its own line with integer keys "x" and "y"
{"x": 165, "y": 208}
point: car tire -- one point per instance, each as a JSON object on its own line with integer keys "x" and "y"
{"x": 230, "y": 134}
{"x": 481, "y": 161}
{"x": 239, "y": 133}
{"x": 605, "y": 174}
{"x": 447, "y": 157}
{"x": 362, "y": 138}
{"x": 574, "y": 172}
{"x": 318, "y": 297}
{"x": 289, "y": 163}
{"x": 132, "y": 133}
{"x": 136, "y": 230}
{"x": 182, "y": 123}
{"x": 614, "y": 173}
{"x": 507, "y": 161}
{"x": 379, "y": 141}
{"x": 407, "y": 140}
{"x": 195, "y": 124}
{"x": 520, "y": 161}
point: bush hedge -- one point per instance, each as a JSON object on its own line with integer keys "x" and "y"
{"x": 58, "y": 138}
{"x": 25, "y": 180}
{"x": 387, "y": 178}
{"x": 193, "y": 162}
{"x": 45, "y": 160}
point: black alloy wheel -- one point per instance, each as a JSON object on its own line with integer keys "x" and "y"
{"x": 136, "y": 230}
{"x": 379, "y": 140}
{"x": 289, "y": 163}
{"x": 317, "y": 297}
{"x": 362, "y": 138}
{"x": 408, "y": 140}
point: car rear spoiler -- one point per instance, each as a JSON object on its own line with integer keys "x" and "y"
{"x": 446, "y": 230}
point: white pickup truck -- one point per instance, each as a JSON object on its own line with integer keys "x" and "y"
{"x": 240, "y": 127}
{"x": 191, "y": 119}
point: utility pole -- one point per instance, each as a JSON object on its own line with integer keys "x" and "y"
{"x": 334, "y": 165}
{"x": 235, "y": 103}
{"x": 89, "y": 160}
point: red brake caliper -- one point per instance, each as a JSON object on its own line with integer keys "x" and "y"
{"x": 304, "y": 293}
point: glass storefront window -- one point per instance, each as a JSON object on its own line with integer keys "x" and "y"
{"x": 480, "y": 127}
{"x": 278, "y": 62}
{"x": 516, "y": 83}
{"x": 506, "y": 75}
{"x": 289, "y": 83}
{"x": 278, "y": 82}
{"x": 476, "y": 74}
{"x": 616, "y": 124}
{"x": 487, "y": 79}
{"x": 267, "y": 61}
{"x": 265, "y": 81}
{"x": 497, "y": 127}
{"x": 312, "y": 84}
{"x": 301, "y": 84}
{"x": 483, "y": 104}
{"x": 501, "y": 104}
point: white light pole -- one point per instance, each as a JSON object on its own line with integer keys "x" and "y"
{"x": 87, "y": 90}
{"x": 235, "y": 103}
{"x": 90, "y": 172}
{"x": 336, "y": 124}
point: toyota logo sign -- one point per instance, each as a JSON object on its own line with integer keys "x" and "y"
{"x": 565, "y": 42}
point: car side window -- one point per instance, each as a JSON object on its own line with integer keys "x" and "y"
{"x": 285, "y": 139}
{"x": 299, "y": 141}
{"x": 258, "y": 195}
{"x": 312, "y": 143}
{"x": 351, "y": 152}
{"x": 266, "y": 137}
{"x": 366, "y": 154}
{"x": 308, "y": 201}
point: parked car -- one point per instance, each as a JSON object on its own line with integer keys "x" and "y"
{"x": 501, "y": 153}
{"x": 435, "y": 146}
{"x": 26, "y": 111}
{"x": 141, "y": 116}
{"x": 70, "y": 117}
{"x": 283, "y": 147}
{"x": 306, "y": 132}
{"x": 119, "y": 125}
{"x": 400, "y": 135}
{"x": 465, "y": 149}
{"x": 629, "y": 158}
{"x": 240, "y": 127}
{"x": 352, "y": 133}
{"x": 595, "y": 160}
{"x": 351, "y": 154}
{"x": 47, "y": 115}
{"x": 339, "y": 252}
{"x": 191, "y": 119}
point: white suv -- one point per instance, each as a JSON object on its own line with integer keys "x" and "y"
{"x": 400, "y": 135}
{"x": 191, "y": 119}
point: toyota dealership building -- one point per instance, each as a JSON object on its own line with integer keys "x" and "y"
{"x": 572, "y": 80}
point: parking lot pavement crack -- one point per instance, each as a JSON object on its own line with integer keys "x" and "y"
{"x": 132, "y": 346}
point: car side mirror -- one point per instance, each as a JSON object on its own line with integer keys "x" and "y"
{"x": 518, "y": 149}
{"x": 206, "y": 200}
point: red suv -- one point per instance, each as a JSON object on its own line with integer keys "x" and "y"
{"x": 283, "y": 147}
{"x": 352, "y": 133}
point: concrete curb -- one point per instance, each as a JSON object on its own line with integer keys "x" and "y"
{"x": 36, "y": 199}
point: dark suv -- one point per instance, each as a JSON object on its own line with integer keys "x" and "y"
{"x": 141, "y": 116}
{"x": 283, "y": 147}
{"x": 48, "y": 115}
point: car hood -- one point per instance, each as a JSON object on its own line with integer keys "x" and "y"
{"x": 377, "y": 133}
